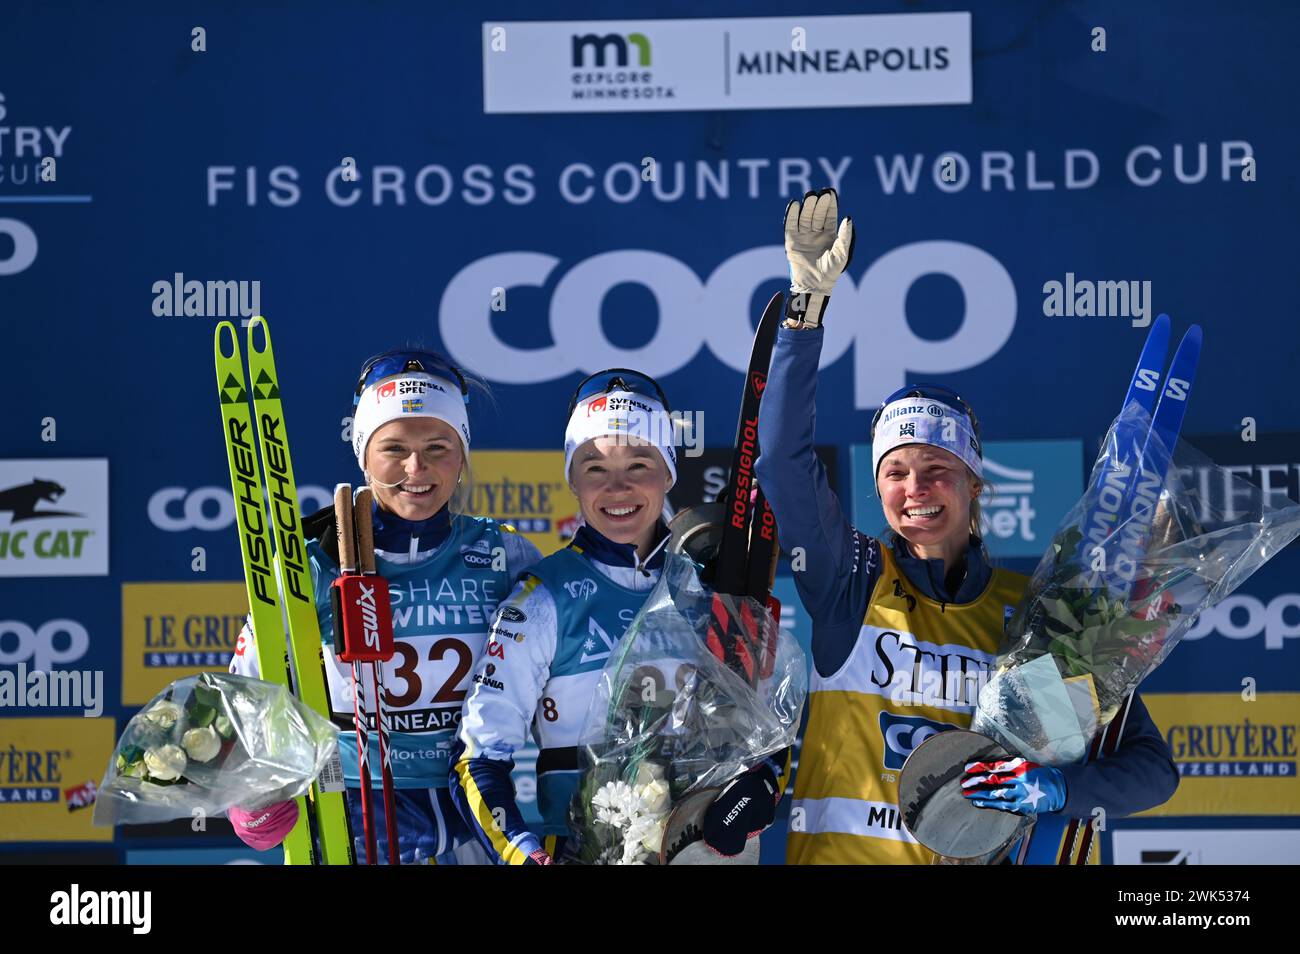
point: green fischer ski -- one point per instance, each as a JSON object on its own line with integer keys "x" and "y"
{"x": 255, "y": 546}
{"x": 260, "y": 569}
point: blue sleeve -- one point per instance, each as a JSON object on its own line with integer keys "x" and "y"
{"x": 484, "y": 794}
{"x": 495, "y": 722}
{"x": 1140, "y": 774}
{"x": 835, "y": 568}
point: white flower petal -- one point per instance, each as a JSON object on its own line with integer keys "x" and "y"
{"x": 165, "y": 763}
{"x": 201, "y": 745}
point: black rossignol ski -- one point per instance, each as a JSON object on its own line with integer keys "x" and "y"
{"x": 746, "y": 557}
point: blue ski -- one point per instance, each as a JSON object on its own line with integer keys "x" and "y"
{"x": 1138, "y": 481}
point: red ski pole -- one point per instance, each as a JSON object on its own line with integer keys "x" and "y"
{"x": 341, "y": 598}
{"x": 376, "y": 592}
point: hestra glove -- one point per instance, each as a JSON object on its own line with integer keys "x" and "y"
{"x": 743, "y": 809}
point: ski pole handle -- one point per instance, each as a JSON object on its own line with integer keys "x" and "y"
{"x": 343, "y": 524}
{"x": 363, "y": 514}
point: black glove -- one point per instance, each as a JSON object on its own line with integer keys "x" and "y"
{"x": 744, "y": 808}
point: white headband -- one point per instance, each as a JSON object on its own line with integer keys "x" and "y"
{"x": 621, "y": 414}
{"x": 407, "y": 395}
{"x": 916, "y": 420}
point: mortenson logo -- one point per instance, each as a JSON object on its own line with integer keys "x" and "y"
{"x": 600, "y": 45}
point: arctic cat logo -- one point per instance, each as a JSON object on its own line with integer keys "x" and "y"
{"x": 21, "y": 501}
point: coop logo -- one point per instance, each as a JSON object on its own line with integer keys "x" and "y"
{"x": 179, "y": 298}
{"x": 53, "y": 518}
{"x": 1242, "y": 616}
{"x": 687, "y": 305}
{"x": 55, "y": 642}
{"x": 902, "y": 734}
{"x": 477, "y": 556}
{"x": 40, "y": 685}
{"x": 177, "y": 509}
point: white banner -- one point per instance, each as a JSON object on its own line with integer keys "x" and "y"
{"x": 1197, "y": 846}
{"x": 54, "y": 517}
{"x": 578, "y": 66}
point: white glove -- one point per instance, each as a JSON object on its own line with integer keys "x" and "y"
{"x": 818, "y": 254}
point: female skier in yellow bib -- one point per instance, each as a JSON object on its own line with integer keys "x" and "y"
{"x": 895, "y": 619}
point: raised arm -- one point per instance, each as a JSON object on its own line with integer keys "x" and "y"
{"x": 834, "y": 565}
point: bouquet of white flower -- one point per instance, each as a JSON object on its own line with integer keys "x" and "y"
{"x": 635, "y": 814}
{"x": 669, "y": 719}
{"x": 1104, "y": 609}
{"x": 210, "y": 742}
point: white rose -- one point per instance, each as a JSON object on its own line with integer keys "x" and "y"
{"x": 201, "y": 745}
{"x": 654, "y": 797}
{"x": 165, "y": 763}
{"x": 648, "y": 772}
{"x": 654, "y": 839}
{"x": 163, "y": 715}
{"x": 646, "y": 833}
